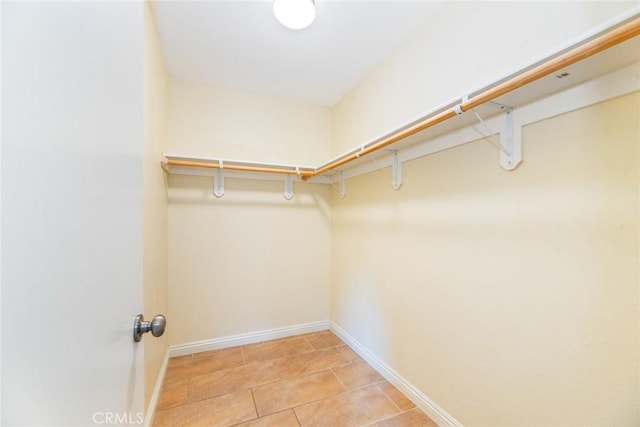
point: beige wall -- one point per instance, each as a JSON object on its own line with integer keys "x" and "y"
{"x": 251, "y": 260}
{"x": 508, "y": 298}
{"x": 209, "y": 120}
{"x": 464, "y": 46}
{"x": 155, "y": 265}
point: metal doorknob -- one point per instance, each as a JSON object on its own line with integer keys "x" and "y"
{"x": 156, "y": 326}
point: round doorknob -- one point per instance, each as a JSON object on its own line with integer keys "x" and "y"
{"x": 156, "y": 326}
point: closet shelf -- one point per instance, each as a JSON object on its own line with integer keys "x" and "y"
{"x": 607, "y": 48}
{"x": 207, "y": 166}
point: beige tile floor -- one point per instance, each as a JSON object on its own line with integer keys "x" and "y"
{"x": 306, "y": 380}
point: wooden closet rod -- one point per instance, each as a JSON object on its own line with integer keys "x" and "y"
{"x": 597, "y": 45}
{"x": 245, "y": 168}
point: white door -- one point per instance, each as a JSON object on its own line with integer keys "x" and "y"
{"x": 71, "y": 212}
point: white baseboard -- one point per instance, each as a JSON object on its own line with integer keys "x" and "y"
{"x": 248, "y": 338}
{"x": 435, "y": 412}
{"x": 153, "y": 403}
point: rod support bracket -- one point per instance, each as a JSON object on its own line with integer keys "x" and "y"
{"x": 288, "y": 187}
{"x": 511, "y": 140}
{"x": 396, "y": 171}
{"x": 343, "y": 189}
{"x": 218, "y": 182}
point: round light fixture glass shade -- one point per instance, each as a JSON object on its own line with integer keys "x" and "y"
{"x": 295, "y": 14}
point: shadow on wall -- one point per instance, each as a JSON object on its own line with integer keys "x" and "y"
{"x": 198, "y": 190}
{"x": 438, "y": 198}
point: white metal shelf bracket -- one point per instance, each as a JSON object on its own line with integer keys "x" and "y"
{"x": 396, "y": 170}
{"x": 288, "y": 187}
{"x": 343, "y": 189}
{"x": 218, "y": 182}
{"x": 511, "y": 139}
{"x": 510, "y": 142}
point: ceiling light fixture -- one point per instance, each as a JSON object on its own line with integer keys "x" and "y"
{"x": 295, "y": 14}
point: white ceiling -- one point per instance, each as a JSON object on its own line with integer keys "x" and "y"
{"x": 240, "y": 45}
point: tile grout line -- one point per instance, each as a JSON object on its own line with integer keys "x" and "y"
{"x": 388, "y": 398}
{"x": 311, "y": 401}
{"x": 346, "y": 391}
{"x": 296, "y": 415}
{"x": 244, "y": 359}
{"x": 397, "y": 415}
{"x": 255, "y": 406}
{"x": 338, "y": 378}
